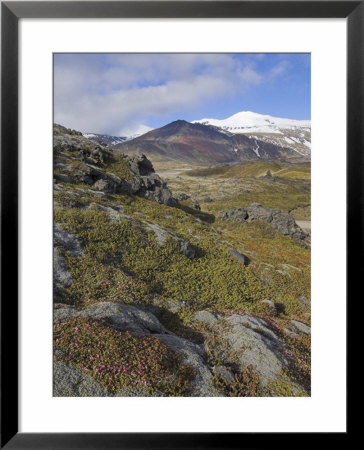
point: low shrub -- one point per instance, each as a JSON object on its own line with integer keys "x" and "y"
{"x": 117, "y": 359}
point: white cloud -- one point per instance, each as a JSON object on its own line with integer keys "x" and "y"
{"x": 278, "y": 69}
{"x": 134, "y": 130}
{"x": 116, "y": 93}
{"x": 250, "y": 76}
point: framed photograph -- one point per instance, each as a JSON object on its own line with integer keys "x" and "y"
{"x": 174, "y": 260}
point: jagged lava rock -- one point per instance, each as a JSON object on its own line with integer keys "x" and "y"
{"x": 140, "y": 165}
{"x": 143, "y": 180}
{"x": 280, "y": 221}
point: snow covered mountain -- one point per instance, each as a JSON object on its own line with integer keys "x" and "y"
{"x": 105, "y": 138}
{"x": 110, "y": 141}
{"x": 295, "y": 134}
{"x": 250, "y": 122}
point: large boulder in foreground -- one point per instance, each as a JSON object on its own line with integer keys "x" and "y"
{"x": 192, "y": 355}
{"x": 259, "y": 345}
{"x": 252, "y": 341}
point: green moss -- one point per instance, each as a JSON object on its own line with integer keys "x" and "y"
{"x": 118, "y": 166}
{"x": 248, "y": 169}
{"x": 269, "y": 251}
{"x": 282, "y": 387}
{"x": 296, "y": 172}
{"x": 254, "y": 169}
{"x": 299, "y": 367}
{"x": 213, "y": 278}
{"x": 96, "y": 282}
{"x": 117, "y": 359}
{"x": 285, "y": 195}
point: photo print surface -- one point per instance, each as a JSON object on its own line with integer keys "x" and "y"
{"x": 182, "y": 225}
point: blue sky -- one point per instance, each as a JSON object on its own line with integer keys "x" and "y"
{"x": 123, "y": 94}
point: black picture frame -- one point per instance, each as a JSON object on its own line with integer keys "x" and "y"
{"x": 11, "y": 12}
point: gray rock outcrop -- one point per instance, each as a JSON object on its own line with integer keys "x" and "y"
{"x": 144, "y": 183}
{"x": 296, "y": 328}
{"x": 206, "y": 317}
{"x": 107, "y": 186}
{"x": 62, "y": 279}
{"x": 187, "y": 249}
{"x": 259, "y": 346}
{"x": 120, "y": 317}
{"x": 95, "y": 155}
{"x": 252, "y": 342}
{"x": 68, "y": 381}
{"x": 280, "y": 221}
{"x": 143, "y": 180}
{"x": 224, "y": 373}
{"x": 152, "y": 187}
{"x": 192, "y": 355}
{"x": 140, "y": 165}
{"x": 237, "y": 214}
{"x": 63, "y": 242}
{"x": 182, "y": 196}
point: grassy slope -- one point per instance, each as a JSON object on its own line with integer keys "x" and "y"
{"x": 254, "y": 169}
{"x": 125, "y": 263}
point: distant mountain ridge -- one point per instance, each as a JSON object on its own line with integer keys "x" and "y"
{"x": 110, "y": 141}
{"x": 198, "y": 143}
{"x": 106, "y": 139}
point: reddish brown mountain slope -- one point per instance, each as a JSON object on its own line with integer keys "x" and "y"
{"x": 201, "y": 144}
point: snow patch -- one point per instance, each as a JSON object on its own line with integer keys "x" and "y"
{"x": 307, "y": 144}
{"x": 256, "y": 150}
{"x": 287, "y": 139}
